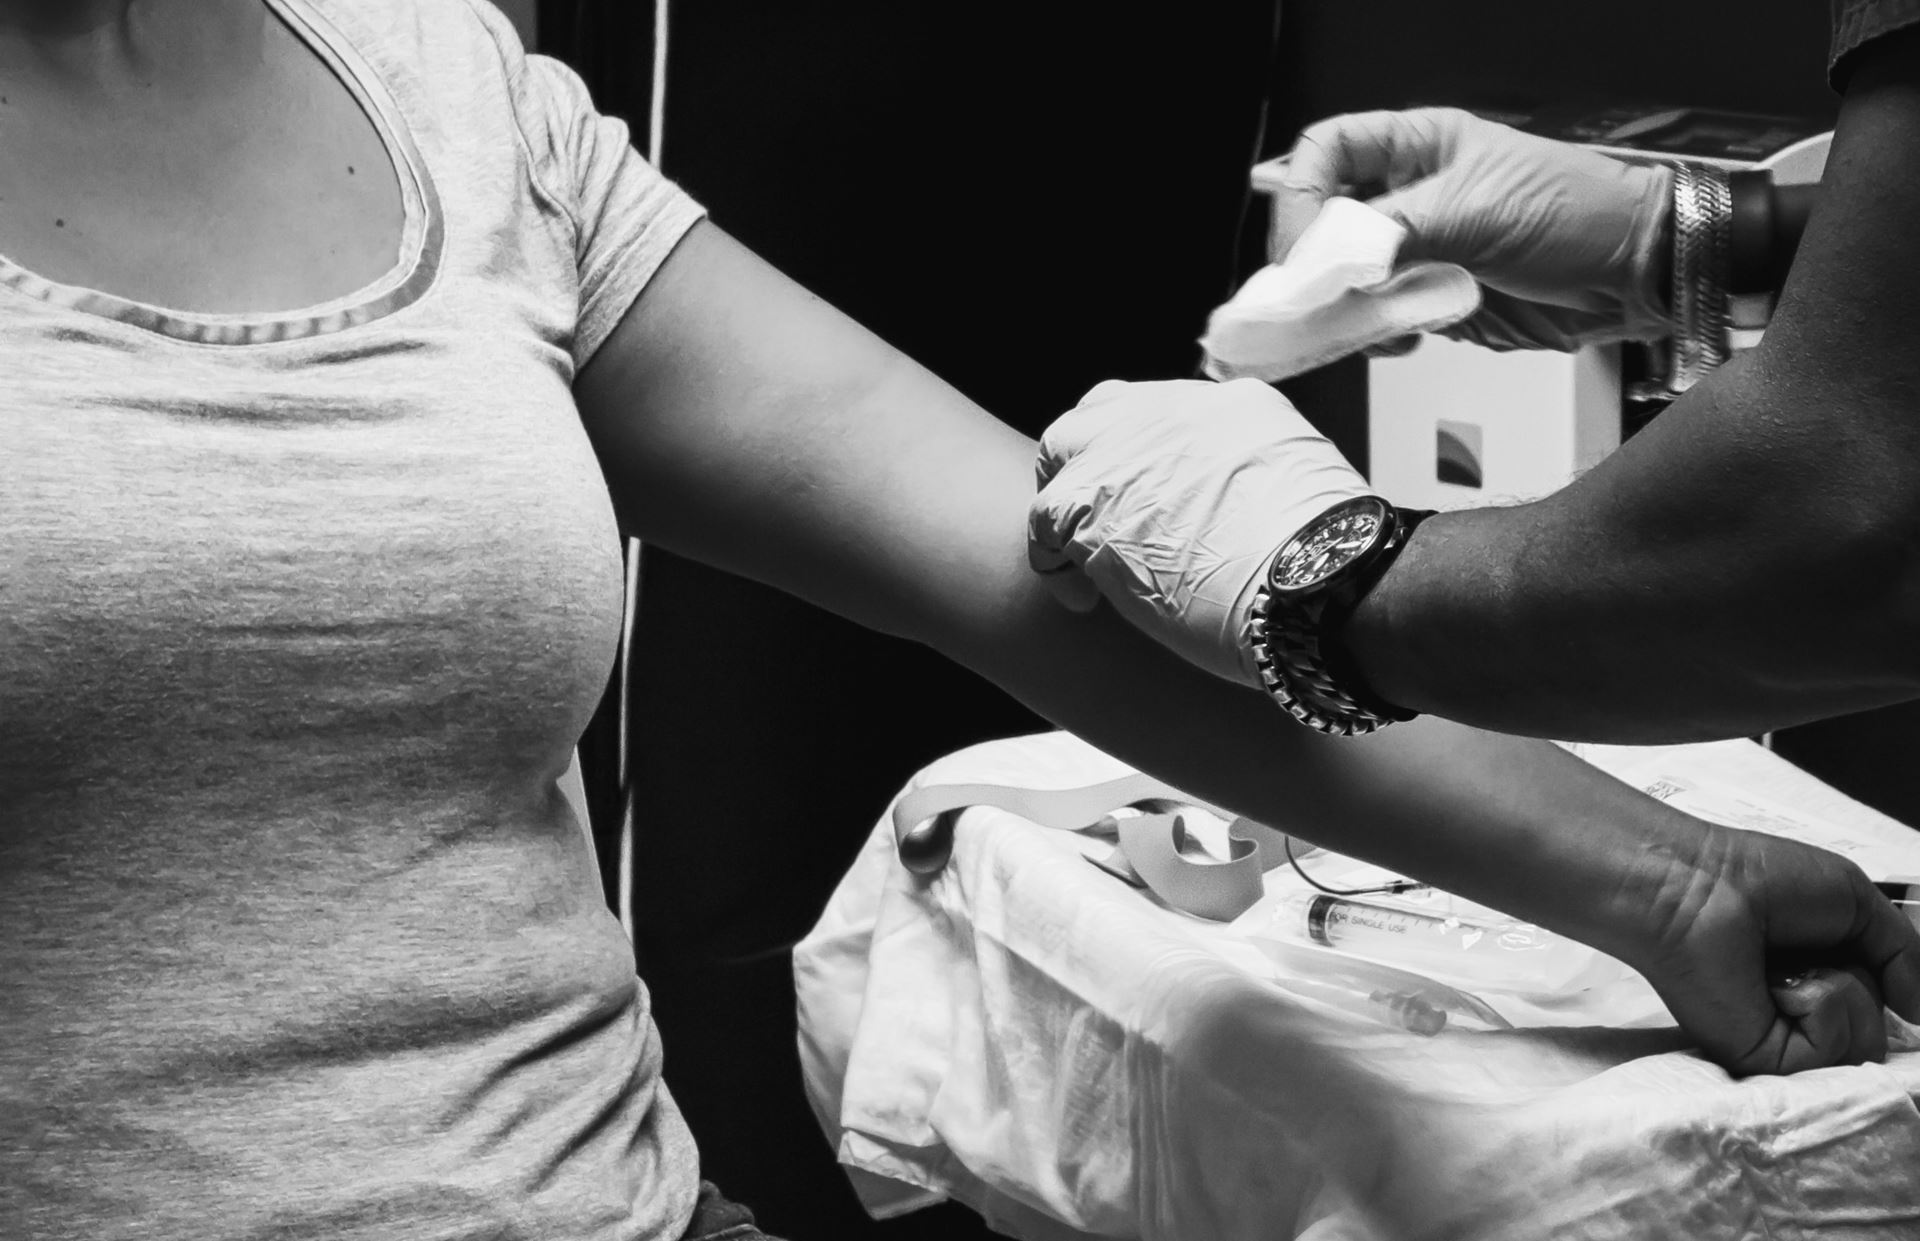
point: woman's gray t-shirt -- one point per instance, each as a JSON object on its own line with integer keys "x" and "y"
{"x": 300, "y": 617}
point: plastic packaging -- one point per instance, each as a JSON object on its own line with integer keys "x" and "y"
{"x": 1477, "y": 952}
{"x": 1384, "y": 994}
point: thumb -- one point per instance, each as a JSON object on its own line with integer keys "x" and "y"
{"x": 1104, "y": 391}
{"x": 1049, "y": 537}
{"x": 1053, "y": 519}
{"x": 1317, "y": 169}
{"x": 1067, "y": 436}
{"x": 1293, "y": 208}
{"x": 1418, "y": 209}
{"x": 1329, "y": 159}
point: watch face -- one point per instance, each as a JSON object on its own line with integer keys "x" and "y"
{"x": 1330, "y": 543}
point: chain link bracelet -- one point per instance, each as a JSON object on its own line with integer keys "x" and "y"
{"x": 1702, "y": 237}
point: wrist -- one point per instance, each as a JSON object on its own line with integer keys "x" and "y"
{"x": 1375, "y": 646}
{"x": 1767, "y": 223}
{"x": 1609, "y": 865}
{"x": 1656, "y": 880}
{"x": 1647, "y": 306}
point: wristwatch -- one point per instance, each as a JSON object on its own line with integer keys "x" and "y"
{"x": 1312, "y": 586}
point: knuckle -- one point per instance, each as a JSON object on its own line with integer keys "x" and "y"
{"x": 1323, "y": 133}
{"x": 1064, "y": 440}
{"x": 1105, "y": 390}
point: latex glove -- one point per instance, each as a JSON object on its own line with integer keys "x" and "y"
{"x": 1169, "y": 499}
{"x": 1776, "y": 956}
{"x": 1568, "y": 244}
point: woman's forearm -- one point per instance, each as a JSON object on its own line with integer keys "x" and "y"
{"x": 1513, "y": 823}
{"x": 746, "y": 424}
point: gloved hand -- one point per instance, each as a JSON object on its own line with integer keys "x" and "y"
{"x": 1170, "y": 498}
{"x": 1776, "y": 956}
{"x": 1567, "y": 243}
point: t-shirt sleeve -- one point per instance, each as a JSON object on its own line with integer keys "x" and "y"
{"x": 626, "y": 217}
{"x": 1857, "y": 23}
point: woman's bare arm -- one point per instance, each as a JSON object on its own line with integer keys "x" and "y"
{"x": 745, "y": 423}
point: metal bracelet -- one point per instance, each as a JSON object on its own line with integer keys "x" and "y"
{"x": 1720, "y": 183}
{"x": 1711, "y": 320}
{"x": 1686, "y": 251}
{"x": 1294, "y": 676}
{"x": 1702, "y": 239}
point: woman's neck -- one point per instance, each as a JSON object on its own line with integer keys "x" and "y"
{"x": 67, "y": 19}
{"x": 90, "y": 45}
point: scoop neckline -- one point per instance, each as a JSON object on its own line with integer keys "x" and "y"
{"x": 421, "y": 240}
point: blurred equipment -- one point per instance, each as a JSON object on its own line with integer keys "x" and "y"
{"x": 1455, "y": 425}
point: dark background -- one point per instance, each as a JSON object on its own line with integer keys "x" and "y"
{"x": 1028, "y": 198}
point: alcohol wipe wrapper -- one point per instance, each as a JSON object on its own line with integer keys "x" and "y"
{"x": 1336, "y": 294}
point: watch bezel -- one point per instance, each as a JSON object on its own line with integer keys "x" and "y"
{"x": 1384, "y": 526}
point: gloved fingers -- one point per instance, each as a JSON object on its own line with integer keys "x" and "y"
{"x": 1053, "y": 519}
{"x": 1422, "y": 208}
{"x": 1156, "y": 409}
{"x": 1105, "y": 390}
{"x": 1505, "y": 322}
{"x": 1070, "y": 433}
{"x": 1293, "y": 210}
{"x": 1051, "y": 527}
{"x": 1067, "y": 435}
{"x": 1332, "y": 158}
{"x": 1364, "y": 149}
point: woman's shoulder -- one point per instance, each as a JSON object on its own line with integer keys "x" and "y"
{"x": 463, "y": 41}
{"x": 460, "y": 59}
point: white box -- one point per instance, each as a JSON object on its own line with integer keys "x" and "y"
{"x": 1527, "y": 421}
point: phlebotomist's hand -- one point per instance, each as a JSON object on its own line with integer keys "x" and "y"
{"x": 1566, "y": 242}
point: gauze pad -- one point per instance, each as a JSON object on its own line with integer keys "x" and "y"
{"x": 1336, "y": 294}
